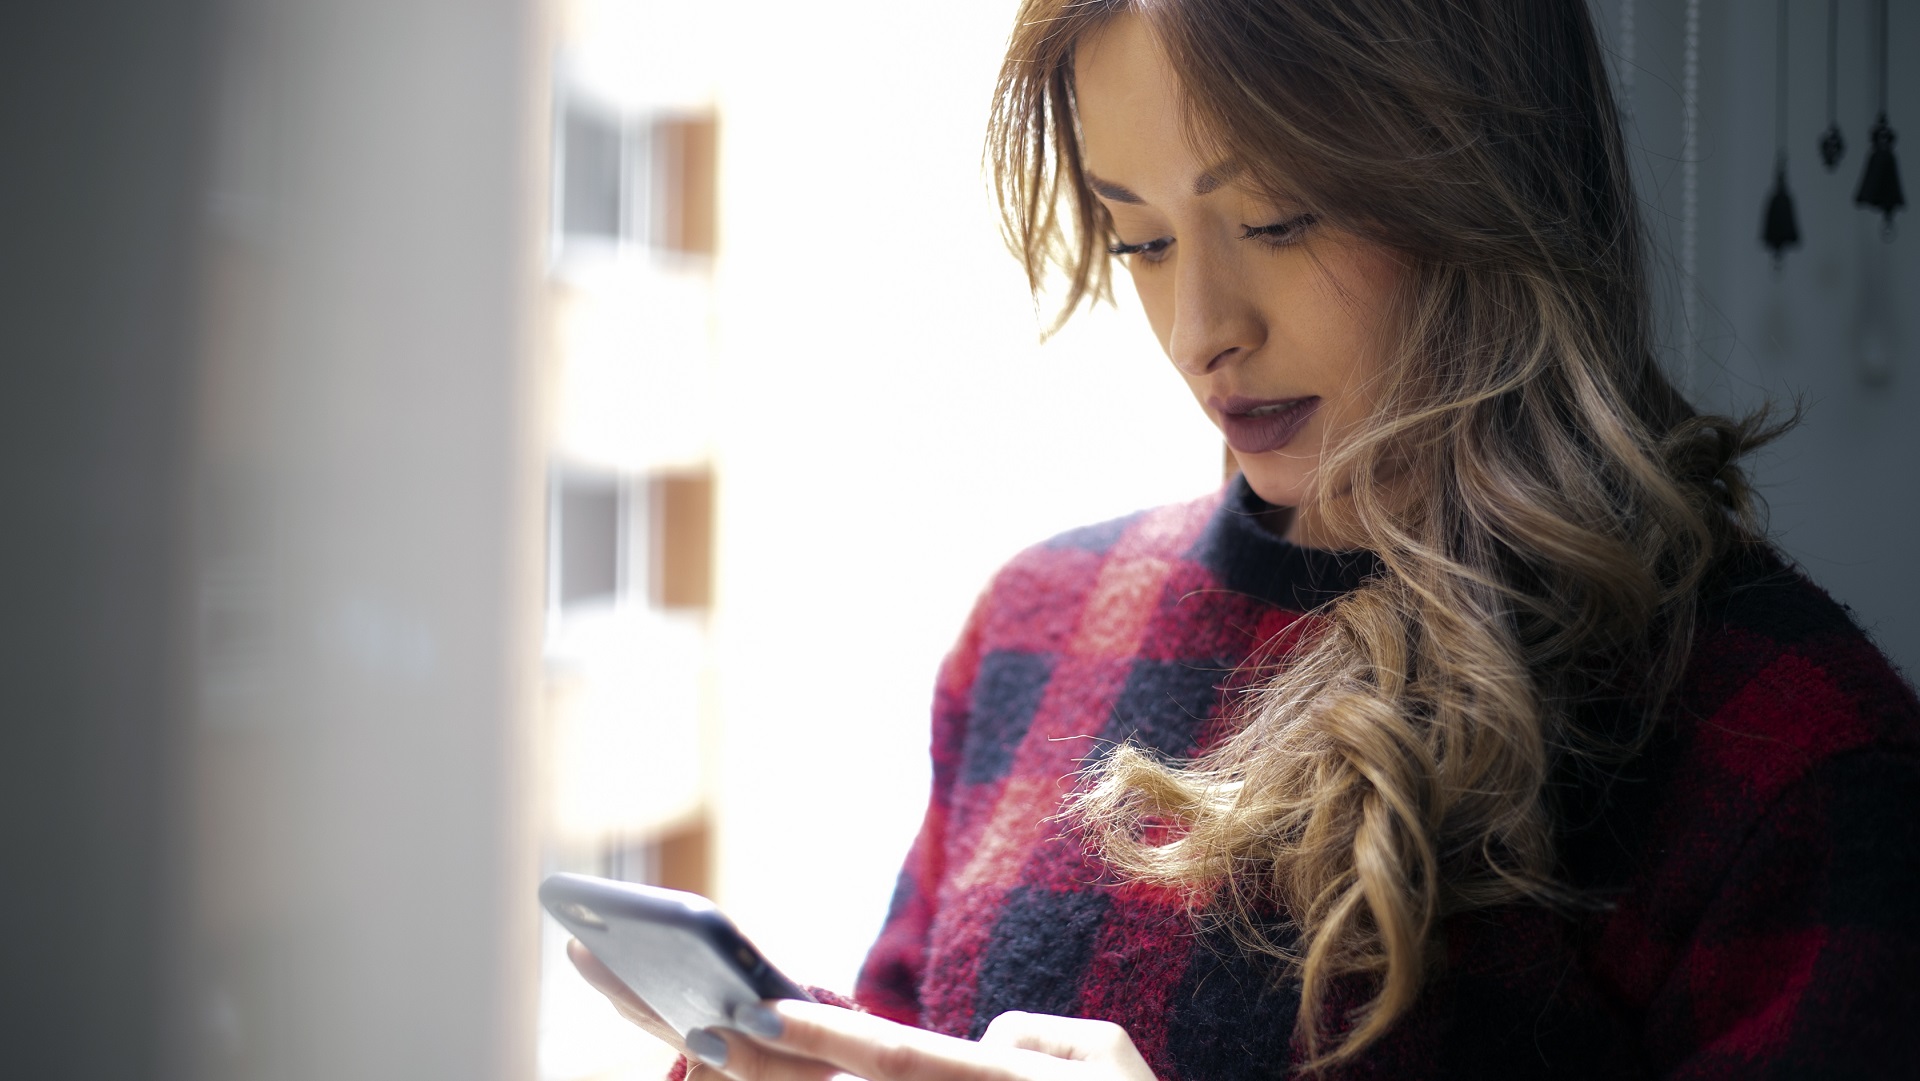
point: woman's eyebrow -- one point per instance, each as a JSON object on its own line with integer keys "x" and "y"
{"x": 1212, "y": 179}
{"x": 1108, "y": 190}
{"x": 1205, "y": 184}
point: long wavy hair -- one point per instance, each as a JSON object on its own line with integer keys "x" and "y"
{"x": 1543, "y": 503}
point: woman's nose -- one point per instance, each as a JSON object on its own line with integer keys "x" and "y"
{"x": 1215, "y": 320}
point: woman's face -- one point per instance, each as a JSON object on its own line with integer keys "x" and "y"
{"x": 1277, "y": 322}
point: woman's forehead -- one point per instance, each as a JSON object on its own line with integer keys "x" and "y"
{"x": 1140, "y": 142}
{"x": 1128, "y": 104}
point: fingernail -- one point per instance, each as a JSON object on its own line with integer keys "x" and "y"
{"x": 756, "y": 1020}
{"x": 707, "y": 1046}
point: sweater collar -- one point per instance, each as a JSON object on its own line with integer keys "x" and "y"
{"x": 1245, "y": 558}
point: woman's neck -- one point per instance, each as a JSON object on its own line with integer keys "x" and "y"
{"x": 1304, "y": 530}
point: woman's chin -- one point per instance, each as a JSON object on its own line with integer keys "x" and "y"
{"x": 1282, "y": 483}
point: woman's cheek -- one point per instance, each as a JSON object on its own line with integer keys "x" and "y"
{"x": 1157, "y": 301}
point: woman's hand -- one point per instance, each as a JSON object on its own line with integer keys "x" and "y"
{"x": 809, "y": 1041}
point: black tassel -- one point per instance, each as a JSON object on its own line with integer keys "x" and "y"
{"x": 1880, "y": 184}
{"x": 1781, "y": 229}
{"x": 1832, "y": 147}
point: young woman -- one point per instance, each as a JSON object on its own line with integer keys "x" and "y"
{"x": 1474, "y": 730}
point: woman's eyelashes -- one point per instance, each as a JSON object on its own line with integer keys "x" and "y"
{"x": 1151, "y": 251}
{"x": 1279, "y": 234}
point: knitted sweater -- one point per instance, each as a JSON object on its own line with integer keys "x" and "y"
{"x": 1756, "y": 867}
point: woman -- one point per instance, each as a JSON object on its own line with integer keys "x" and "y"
{"x": 1474, "y": 730}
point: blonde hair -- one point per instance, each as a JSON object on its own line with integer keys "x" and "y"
{"x": 1543, "y": 503}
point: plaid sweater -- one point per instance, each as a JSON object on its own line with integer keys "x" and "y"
{"x": 1758, "y": 865}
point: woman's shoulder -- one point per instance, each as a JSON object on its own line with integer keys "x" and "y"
{"x": 1033, "y": 604}
{"x": 1166, "y": 531}
{"x": 1757, "y": 860}
{"x": 1069, "y": 568}
{"x": 1781, "y": 678}
{"x": 1216, "y": 545}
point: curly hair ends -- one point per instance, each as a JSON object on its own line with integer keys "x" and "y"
{"x": 1543, "y": 502}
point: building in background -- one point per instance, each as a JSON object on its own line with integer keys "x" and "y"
{"x": 628, "y": 710}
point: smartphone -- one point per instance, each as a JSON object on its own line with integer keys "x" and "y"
{"x": 674, "y": 949}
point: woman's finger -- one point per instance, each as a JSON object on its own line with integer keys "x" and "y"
{"x": 879, "y": 1050}
{"x": 1078, "y": 1039}
{"x": 1017, "y": 1029}
{"x": 742, "y": 1059}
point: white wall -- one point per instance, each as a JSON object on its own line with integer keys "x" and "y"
{"x": 1835, "y": 324}
{"x": 100, "y": 124}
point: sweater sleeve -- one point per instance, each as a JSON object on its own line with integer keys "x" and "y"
{"x": 1805, "y": 962}
{"x": 890, "y": 979}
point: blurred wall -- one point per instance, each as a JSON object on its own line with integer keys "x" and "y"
{"x": 274, "y": 513}
{"x": 368, "y": 542}
{"x": 102, "y": 139}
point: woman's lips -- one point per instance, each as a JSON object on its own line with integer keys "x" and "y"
{"x": 1253, "y": 426}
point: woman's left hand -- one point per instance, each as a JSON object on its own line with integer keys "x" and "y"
{"x": 1015, "y": 1047}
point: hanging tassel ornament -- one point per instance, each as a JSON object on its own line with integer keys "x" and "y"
{"x": 1832, "y": 146}
{"x": 1880, "y": 183}
{"x": 1780, "y": 230}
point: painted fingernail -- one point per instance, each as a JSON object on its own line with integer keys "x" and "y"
{"x": 756, "y": 1020}
{"x": 707, "y": 1046}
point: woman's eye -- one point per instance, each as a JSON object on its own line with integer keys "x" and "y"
{"x": 1151, "y": 251}
{"x": 1281, "y": 233}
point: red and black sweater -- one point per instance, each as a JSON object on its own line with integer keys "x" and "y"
{"x": 1757, "y": 868}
